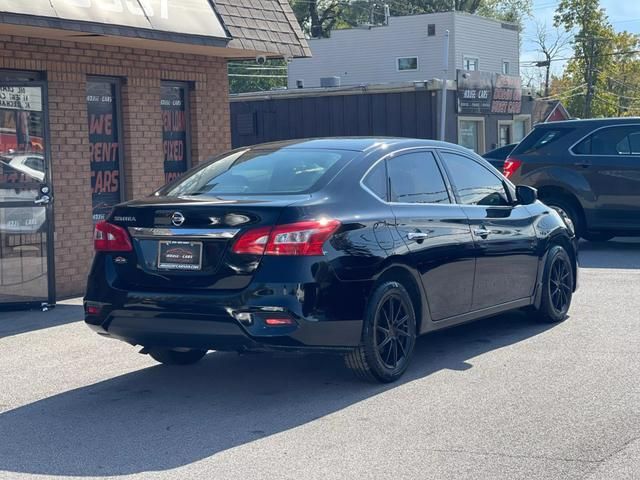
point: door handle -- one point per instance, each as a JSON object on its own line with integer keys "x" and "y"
{"x": 43, "y": 200}
{"x": 418, "y": 236}
{"x": 482, "y": 232}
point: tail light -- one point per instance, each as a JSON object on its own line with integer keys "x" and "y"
{"x": 300, "y": 238}
{"x": 511, "y": 164}
{"x": 111, "y": 238}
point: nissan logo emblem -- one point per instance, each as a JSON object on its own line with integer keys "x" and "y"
{"x": 177, "y": 219}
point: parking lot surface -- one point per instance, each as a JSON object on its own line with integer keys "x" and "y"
{"x": 503, "y": 398}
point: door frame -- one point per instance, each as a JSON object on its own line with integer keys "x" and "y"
{"x": 49, "y": 208}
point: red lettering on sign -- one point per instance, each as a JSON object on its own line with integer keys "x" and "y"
{"x": 106, "y": 181}
{"x": 101, "y": 124}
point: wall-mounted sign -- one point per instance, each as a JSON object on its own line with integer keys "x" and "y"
{"x": 21, "y": 98}
{"x": 173, "y": 103}
{"x": 104, "y": 146}
{"x": 195, "y": 17}
{"x": 507, "y": 95}
{"x": 484, "y": 93}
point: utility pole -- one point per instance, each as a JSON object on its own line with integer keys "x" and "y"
{"x": 589, "y": 98}
{"x": 547, "y": 64}
{"x": 443, "y": 107}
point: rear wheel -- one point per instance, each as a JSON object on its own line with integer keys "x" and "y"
{"x": 557, "y": 287}
{"x": 568, "y": 212}
{"x": 388, "y": 337}
{"x": 176, "y": 357}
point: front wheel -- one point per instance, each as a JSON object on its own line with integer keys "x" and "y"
{"x": 388, "y": 337}
{"x": 176, "y": 357}
{"x": 557, "y": 287}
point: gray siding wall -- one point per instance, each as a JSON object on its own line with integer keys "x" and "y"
{"x": 369, "y": 56}
{"x": 487, "y": 40}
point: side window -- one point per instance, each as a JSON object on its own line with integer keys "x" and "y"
{"x": 376, "y": 181}
{"x": 416, "y": 178}
{"x": 475, "y": 184}
{"x": 611, "y": 141}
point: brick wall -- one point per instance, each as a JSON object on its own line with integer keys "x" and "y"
{"x": 67, "y": 65}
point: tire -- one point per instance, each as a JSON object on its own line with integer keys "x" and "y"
{"x": 598, "y": 236}
{"x": 167, "y": 356}
{"x": 557, "y": 287}
{"x": 385, "y": 359}
{"x": 567, "y": 209}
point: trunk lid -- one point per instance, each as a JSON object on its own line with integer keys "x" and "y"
{"x": 184, "y": 243}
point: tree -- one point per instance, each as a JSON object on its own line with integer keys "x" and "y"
{"x": 592, "y": 49}
{"x": 247, "y": 76}
{"x": 551, "y": 45}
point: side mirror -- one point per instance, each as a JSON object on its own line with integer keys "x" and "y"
{"x": 526, "y": 195}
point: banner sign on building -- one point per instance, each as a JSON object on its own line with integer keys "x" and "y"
{"x": 104, "y": 147}
{"x": 487, "y": 93}
{"x": 174, "y": 131}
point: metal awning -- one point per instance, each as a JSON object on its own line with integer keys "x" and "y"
{"x": 184, "y": 21}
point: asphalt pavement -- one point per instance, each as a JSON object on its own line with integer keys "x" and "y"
{"x": 503, "y": 398}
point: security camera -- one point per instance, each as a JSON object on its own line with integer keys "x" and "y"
{"x": 261, "y": 59}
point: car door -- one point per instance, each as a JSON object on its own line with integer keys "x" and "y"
{"x": 435, "y": 231}
{"x": 609, "y": 160}
{"x": 504, "y": 234}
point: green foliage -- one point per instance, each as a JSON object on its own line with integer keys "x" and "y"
{"x": 605, "y": 59}
{"x": 248, "y": 76}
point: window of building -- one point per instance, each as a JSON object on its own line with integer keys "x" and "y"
{"x": 416, "y": 178}
{"x": 470, "y": 63}
{"x": 174, "y": 103}
{"x": 105, "y": 152}
{"x": 431, "y": 30}
{"x": 505, "y": 67}
{"x": 474, "y": 183}
{"x": 407, "y": 63}
{"x": 376, "y": 181}
{"x": 621, "y": 140}
{"x": 471, "y": 133}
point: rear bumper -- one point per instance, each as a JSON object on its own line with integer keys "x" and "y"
{"x": 213, "y": 321}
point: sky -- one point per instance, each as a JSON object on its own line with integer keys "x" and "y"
{"x": 623, "y": 15}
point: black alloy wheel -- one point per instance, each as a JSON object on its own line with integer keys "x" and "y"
{"x": 557, "y": 287}
{"x": 392, "y": 335}
{"x": 560, "y": 285}
{"x": 388, "y": 337}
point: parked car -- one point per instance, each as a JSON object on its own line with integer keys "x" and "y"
{"x": 498, "y": 156}
{"x": 588, "y": 170}
{"x": 354, "y": 246}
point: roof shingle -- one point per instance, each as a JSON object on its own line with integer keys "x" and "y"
{"x": 268, "y": 26}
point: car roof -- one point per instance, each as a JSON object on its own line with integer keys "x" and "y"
{"x": 358, "y": 144}
{"x": 591, "y": 122}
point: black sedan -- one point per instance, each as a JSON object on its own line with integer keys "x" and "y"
{"x": 354, "y": 246}
{"x": 498, "y": 156}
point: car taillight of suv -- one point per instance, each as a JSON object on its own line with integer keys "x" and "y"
{"x": 511, "y": 165}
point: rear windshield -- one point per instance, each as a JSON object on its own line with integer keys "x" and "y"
{"x": 262, "y": 172}
{"x": 539, "y": 139}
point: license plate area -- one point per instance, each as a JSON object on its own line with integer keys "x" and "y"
{"x": 178, "y": 255}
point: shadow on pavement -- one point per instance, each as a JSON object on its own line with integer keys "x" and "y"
{"x": 161, "y": 418}
{"x": 17, "y": 322}
{"x": 620, "y": 253}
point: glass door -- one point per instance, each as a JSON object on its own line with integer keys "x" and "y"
{"x": 26, "y": 263}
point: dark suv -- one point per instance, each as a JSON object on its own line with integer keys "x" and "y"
{"x": 588, "y": 170}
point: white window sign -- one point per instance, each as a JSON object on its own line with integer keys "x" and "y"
{"x": 21, "y": 98}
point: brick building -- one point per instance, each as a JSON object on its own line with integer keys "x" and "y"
{"x": 102, "y": 101}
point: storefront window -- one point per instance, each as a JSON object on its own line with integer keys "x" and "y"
{"x": 471, "y": 134}
{"x": 175, "y": 130}
{"x": 104, "y": 145}
{"x": 519, "y": 130}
